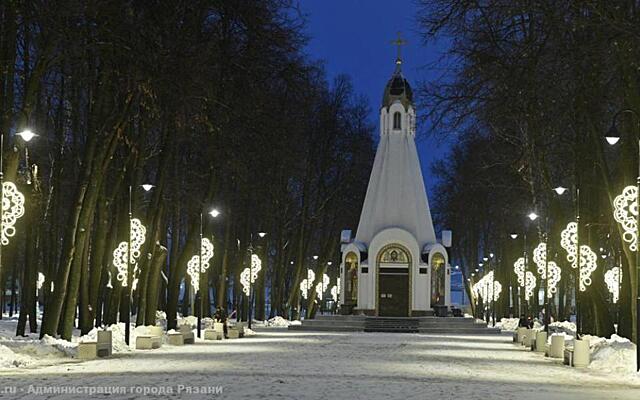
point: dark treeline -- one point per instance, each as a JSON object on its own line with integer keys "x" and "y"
{"x": 534, "y": 88}
{"x": 211, "y": 101}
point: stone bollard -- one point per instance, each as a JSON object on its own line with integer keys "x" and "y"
{"x": 557, "y": 347}
{"x": 520, "y": 334}
{"x": 528, "y": 338}
{"x": 581, "y": 356}
{"x": 541, "y": 342}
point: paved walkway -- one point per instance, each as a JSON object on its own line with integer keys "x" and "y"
{"x": 278, "y": 364}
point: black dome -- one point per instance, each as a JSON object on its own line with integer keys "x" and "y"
{"x": 397, "y": 88}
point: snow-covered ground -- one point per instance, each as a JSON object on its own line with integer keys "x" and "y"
{"x": 277, "y": 363}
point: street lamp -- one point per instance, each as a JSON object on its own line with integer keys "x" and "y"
{"x": 15, "y": 199}
{"x": 532, "y": 216}
{"x": 203, "y": 254}
{"x": 253, "y": 260}
{"x": 612, "y": 137}
{"x": 125, "y": 258}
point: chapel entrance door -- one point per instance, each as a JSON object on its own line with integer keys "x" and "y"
{"x": 393, "y": 282}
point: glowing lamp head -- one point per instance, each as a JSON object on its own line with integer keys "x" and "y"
{"x": 457, "y": 267}
{"x": 262, "y": 234}
{"x": 612, "y": 140}
{"x": 477, "y": 269}
{"x": 613, "y": 136}
{"x": 214, "y": 213}
{"x": 514, "y": 236}
{"x": 315, "y": 257}
{"x": 26, "y": 135}
{"x": 491, "y": 255}
{"x": 147, "y": 187}
{"x": 485, "y": 259}
{"x": 560, "y": 190}
{"x": 329, "y": 263}
{"x": 532, "y": 216}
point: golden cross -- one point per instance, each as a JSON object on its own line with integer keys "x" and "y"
{"x": 399, "y": 42}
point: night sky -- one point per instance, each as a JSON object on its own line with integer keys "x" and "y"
{"x": 354, "y": 37}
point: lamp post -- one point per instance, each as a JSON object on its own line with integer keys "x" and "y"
{"x": 532, "y": 217}
{"x": 26, "y": 135}
{"x": 213, "y": 213}
{"x": 251, "y": 296}
{"x": 560, "y": 191}
{"x": 129, "y": 279}
{"x": 612, "y": 137}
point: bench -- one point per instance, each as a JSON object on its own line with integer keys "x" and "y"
{"x": 540, "y": 343}
{"x": 187, "y": 334}
{"x": 148, "y": 342}
{"x": 578, "y": 356}
{"x": 101, "y": 347}
{"x": 212, "y": 334}
{"x": 87, "y": 350}
{"x": 556, "y": 350}
{"x": 104, "y": 347}
{"x": 175, "y": 339}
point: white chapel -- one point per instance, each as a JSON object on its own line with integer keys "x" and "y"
{"x": 395, "y": 266}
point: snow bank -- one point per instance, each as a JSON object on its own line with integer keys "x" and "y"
{"x": 280, "y": 322}
{"x": 188, "y": 320}
{"x": 119, "y": 345}
{"x": 616, "y": 355}
{"x": 563, "y": 326}
{"x": 508, "y": 324}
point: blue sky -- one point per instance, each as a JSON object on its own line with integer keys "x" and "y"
{"x": 354, "y": 37}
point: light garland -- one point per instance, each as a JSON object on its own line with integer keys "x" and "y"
{"x": 530, "y": 286}
{"x": 625, "y": 212}
{"x": 483, "y": 288}
{"x": 518, "y": 268}
{"x": 321, "y": 286}
{"x": 588, "y": 259}
{"x": 193, "y": 265}
{"x": 307, "y": 283}
{"x": 138, "y": 232}
{"x": 613, "y": 278}
{"x": 12, "y": 209}
{"x": 540, "y": 258}
{"x": 256, "y": 266}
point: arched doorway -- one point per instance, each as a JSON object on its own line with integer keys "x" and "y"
{"x": 393, "y": 281}
{"x": 438, "y": 272}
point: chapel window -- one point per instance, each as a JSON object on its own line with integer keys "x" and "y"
{"x": 351, "y": 278}
{"x": 397, "y": 120}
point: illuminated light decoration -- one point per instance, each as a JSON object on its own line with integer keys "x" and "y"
{"x": 568, "y": 241}
{"x": 625, "y": 212}
{"x": 12, "y": 209}
{"x": 334, "y": 292}
{"x": 322, "y": 286}
{"x": 518, "y": 268}
{"x": 40, "y": 281}
{"x": 613, "y": 278}
{"x": 307, "y": 283}
{"x": 588, "y": 264}
{"x": 530, "y": 286}
{"x": 588, "y": 258}
{"x": 483, "y": 288}
{"x": 193, "y": 265}
{"x": 256, "y": 266}
{"x": 138, "y": 232}
{"x": 540, "y": 258}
